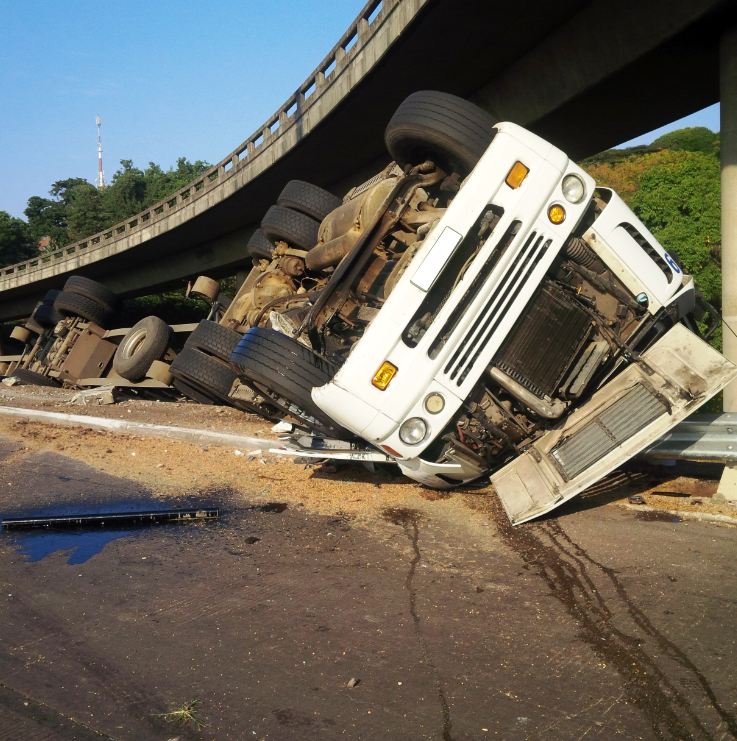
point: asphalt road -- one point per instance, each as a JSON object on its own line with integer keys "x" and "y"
{"x": 597, "y": 623}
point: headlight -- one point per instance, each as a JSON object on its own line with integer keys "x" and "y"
{"x": 573, "y": 188}
{"x": 413, "y": 431}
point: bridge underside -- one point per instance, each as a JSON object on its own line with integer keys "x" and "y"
{"x": 584, "y": 76}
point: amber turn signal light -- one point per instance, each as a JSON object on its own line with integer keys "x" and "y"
{"x": 557, "y": 214}
{"x": 382, "y": 378}
{"x": 516, "y": 175}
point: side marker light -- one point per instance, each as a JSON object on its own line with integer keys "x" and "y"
{"x": 516, "y": 175}
{"x": 382, "y": 378}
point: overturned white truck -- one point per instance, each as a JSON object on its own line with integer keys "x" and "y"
{"x": 480, "y": 308}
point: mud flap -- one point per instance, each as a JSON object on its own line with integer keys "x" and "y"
{"x": 670, "y": 381}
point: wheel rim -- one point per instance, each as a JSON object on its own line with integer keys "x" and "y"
{"x": 133, "y": 343}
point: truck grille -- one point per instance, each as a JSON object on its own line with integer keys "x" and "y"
{"x": 545, "y": 341}
{"x": 504, "y": 293}
{"x": 618, "y": 422}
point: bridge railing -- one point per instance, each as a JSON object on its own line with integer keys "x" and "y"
{"x": 365, "y": 25}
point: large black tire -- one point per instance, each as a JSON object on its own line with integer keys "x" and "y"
{"x": 285, "y": 371}
{"x": 31, "y": 378}
{"x": 72, "y": 304}
{"x": 214, "y": 339}
{"x": 204, "y": 372}
{"x": 145, "y": 342}
{"x": 308, "y": 199}
{"x": 441, "y": 127}
{"x": 259, "y": 246}
{"x": 298, "y": 230}
{"x": 91, "y": 289}
{"x": 45, "y": 314}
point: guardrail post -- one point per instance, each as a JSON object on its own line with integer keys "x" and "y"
{"x": 728, "y": 124}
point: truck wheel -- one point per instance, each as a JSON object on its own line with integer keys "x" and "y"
{"x": 204, "y": 372}
{"x": 145, "y": 342}
{"x": 299, "y": 230}
{"x": 214, "y": 339}
{"x": 45, "y": 314}
{"x": 259, "y": 246}
{"x": 285, "y": 371}
{"x": 31, "y": 378}
{"x": 73, "y": 304}
{"x": 308, "y": 199}
{"x": 441, "y": 127}
{"x": 91, "y": 289}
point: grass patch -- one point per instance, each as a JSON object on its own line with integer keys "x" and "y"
{"x": 187, "y": 714}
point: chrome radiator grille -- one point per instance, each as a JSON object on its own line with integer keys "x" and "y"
{"x": 618, "y": 422}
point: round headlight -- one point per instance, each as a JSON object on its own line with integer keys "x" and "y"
{"x": 573, "y": 188}
{"x": 413, "y": 431}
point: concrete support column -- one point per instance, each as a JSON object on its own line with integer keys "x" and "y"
{"x": 728, "y": 98}
{"x": 728, "y": 125}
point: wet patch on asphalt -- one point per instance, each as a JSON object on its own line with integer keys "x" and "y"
{"x": 622, "y": 642}
{"x": 409, "y": 520}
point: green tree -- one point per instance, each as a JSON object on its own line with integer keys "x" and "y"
{"x": 692, "y": 139}
{"x": 85, "y": 212}
{"x": 679, "y": 202}
{"x": 126, "y": 194}
{"x": 16, "y": 240}
{"x": 47, "y": 218}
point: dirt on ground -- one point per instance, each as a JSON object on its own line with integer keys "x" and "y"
{"x": 164, "y": 408}
{"x": 165, "y": 465}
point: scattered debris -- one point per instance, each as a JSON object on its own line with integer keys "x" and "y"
{"x": 104, "y": 519}
{"x": 10, "y": 381}
{"x": 636, "y": 499}
{"x": 353, "y": 682}
{"x": 282, "y": 427}
{"x": 96, "y": 397}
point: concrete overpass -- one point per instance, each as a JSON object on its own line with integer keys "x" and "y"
{"x": 586, "y": 74}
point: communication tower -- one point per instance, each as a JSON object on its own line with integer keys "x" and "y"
{"x": 100, "y": 173}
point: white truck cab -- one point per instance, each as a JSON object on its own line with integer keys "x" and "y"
{"x": 481, "y": 308}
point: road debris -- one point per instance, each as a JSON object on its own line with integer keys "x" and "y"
{"x": 105, "y": 519}
{"x": 96, "y": 397}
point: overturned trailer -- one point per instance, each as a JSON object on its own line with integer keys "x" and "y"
{"x": 71, "y": 338}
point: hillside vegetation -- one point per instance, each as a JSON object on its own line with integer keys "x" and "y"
{"x": 673, "y": 186}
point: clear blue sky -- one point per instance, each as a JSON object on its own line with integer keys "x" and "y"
{"x": 168, "y": 78}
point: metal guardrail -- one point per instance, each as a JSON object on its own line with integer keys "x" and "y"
{"x": 705, "y": 438}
